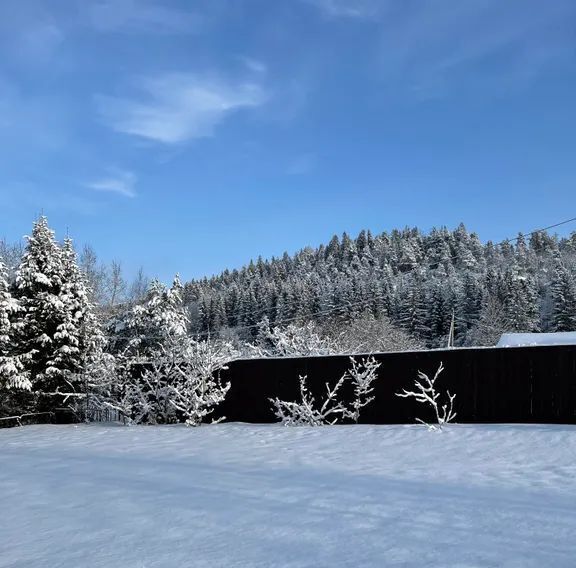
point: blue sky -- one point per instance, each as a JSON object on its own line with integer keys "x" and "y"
{"x": 193, "y": 136}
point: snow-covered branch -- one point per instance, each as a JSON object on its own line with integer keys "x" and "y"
{"x": 362, "y": 374}
{"x": 307, "y": 411}
{"x": 426, "y": 393}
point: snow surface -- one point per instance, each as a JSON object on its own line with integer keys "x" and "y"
{"x": 531, "y": 339}
{"x": 237, "y": 495}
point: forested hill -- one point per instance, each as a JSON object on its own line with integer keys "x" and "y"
{"x": 416, "y": 280}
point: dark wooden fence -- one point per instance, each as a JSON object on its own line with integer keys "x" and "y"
{"x": 517, "y": 384}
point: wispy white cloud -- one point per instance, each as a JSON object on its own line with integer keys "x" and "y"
{"x": 177, "y": 107}
{"x": 30, "y": 35}
{"x": 119, "y": 181}
{"x": 356, "y": 9}
{"x": 141, "y": 16}
{"x": 440, "y": 42}
{"x": 301, "y": 164}
{"x": 429, "y": 45}
{"x": 40, "y": 40}
{"x": 254, "y": 65}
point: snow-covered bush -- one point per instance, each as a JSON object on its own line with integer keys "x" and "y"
{"x": 196, "y": 388}
{"x": 368, "y": 334}
{"x": 364, "y": 334}
{"x": 179, "y": 382}
{"x": 291, "y": 340}
{"x": 162, "y": 375}
{"x": 330, "y": 410}
{"x": 426, "y": 392}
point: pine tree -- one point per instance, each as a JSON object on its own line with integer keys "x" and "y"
{"x": 159, "y": 319}
{"x": 564, "y": 299}
{"x": 12, "y": 371}
{"x": 520, "y": 300}
{"x": 39, "y": 287}
{"x": 81, "y": 332}
{"x": 412, "y": 308}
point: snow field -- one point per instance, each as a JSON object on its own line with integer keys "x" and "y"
{"x": 238, "y": 495}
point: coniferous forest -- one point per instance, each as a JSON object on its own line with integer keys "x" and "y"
{"x": 413, "y": 279}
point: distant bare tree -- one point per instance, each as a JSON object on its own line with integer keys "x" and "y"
{"x": 10, "y": 253}
{"x": 95, "y": 274}
{"x": 493, "y": 322}
{"x": 367, "y": 334}
{"x": 139, "y": 286}
{"x": 116, "y": 285}
{"x": 291, "y": 340}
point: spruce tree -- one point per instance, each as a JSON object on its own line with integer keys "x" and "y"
{"x": 12, "y": 372}
{"x": 161, "y": 318}
{"x": 39, "y": 287}
{"x": 80, "y": 339}
{"x": 564, "y": 299}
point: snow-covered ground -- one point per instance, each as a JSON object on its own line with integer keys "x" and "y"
{"x": 264, "y": 496}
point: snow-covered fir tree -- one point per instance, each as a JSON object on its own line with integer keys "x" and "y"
{"x": 159, "y": 318}
{"x": 80, "y": 341}
{"x": 59, "y": 337}
{"x": 12, "y": 371}
{"x": 39, "y": 288}
{"x": 563, "y": 298}
{"x": 79, "y": 338}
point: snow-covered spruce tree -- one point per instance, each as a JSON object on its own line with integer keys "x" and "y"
{"x": 60, "y": 335}
{"x": 160, "y": 318}
{"x": 39, "y": 281}
{"x": 79, "y": 339}
{"x": 331, "y": 410}
{"x": 563, "y": 298}
{"x": 12, "y": 372}
{"x": 427, "y": 393}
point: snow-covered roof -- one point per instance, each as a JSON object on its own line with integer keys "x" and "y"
{"x": 526, "y": 339}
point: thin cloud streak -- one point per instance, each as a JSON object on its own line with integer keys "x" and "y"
{"x": 442, "y": 42}
{"x": 302, "y": 165}
{"x": 355, "y": 9}
{"x": 427, "y": 47}
{"x": 178, "y": 107}
{"x": 122, "y": 183}
{"x": 133, "y": 16}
